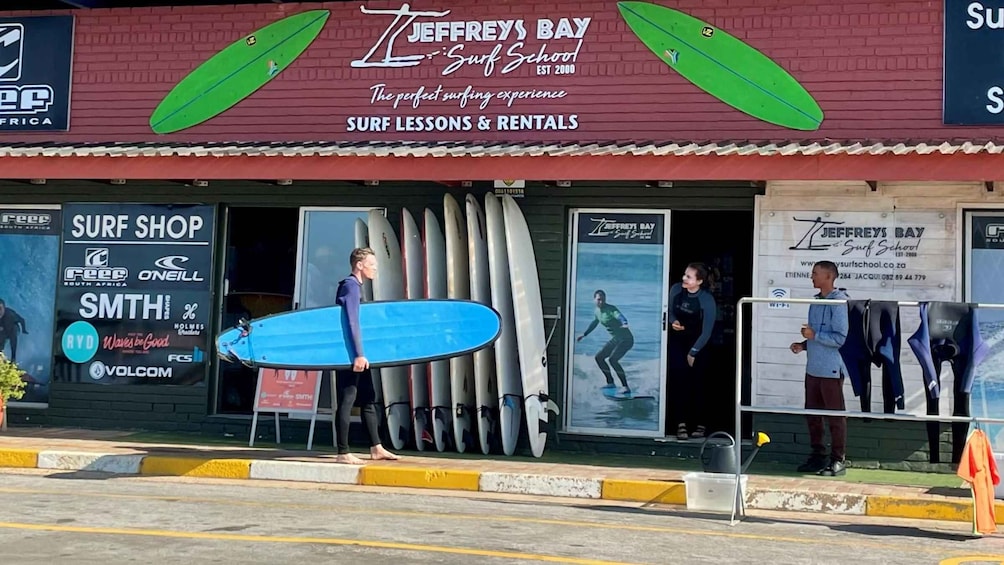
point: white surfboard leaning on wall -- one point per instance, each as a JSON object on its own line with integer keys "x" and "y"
{"x": 389, "y": 285}
{"x": 438, "y": 372}
{"x": 458, "y": 286}
{"x": 529, "y": 316}
{"x": 413, "y": 258}
{"x": 509, "y": 381}
{"x": 485, "y": 388}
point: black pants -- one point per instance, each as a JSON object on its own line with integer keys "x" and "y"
{"x": 355, "y": 389}
{"x": 612, "y": 352}
{"x": 686, "y": 383}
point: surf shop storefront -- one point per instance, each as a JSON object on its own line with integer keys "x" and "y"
{"x": 635, "y": 141}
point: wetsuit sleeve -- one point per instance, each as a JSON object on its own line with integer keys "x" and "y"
{"x": 709, "y": 314}
{"x": 348, "y": 298}
{"x": 592, "y": 326}
{"x": 620, "y": 317}
{"x": 674, "y": 291}
{"x": 19, "y": 321}
{"x": 836, "y": 334}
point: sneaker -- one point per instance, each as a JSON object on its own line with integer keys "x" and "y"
{"x": 836, "y": 468}
{"x": 681, "y": 432}
{"x": 814, "y": 464}
{"x": 698, "y": 433}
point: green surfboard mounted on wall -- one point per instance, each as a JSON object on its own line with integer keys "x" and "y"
{"x": 236, "y": 72}
{"x": 723, "y": 66}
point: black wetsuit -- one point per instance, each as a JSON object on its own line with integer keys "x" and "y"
{"x": 11, "y": 324}
{"x": 696, "y": 312}
{"x": 354, "y": 388}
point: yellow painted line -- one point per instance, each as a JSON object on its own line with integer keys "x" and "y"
{"x": 903, "y": 548}
{"x": 644, "y": 491}
{"x": 19, "y": 458}
{"x": 972, "y": 559}
{"x": 898, "y": 507}
{"x": 193, "y": 467}
{"x": 387, "y": 476}
{"x": 306, "y": 540}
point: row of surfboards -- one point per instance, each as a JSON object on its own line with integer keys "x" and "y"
{"x": 485, "y": 255}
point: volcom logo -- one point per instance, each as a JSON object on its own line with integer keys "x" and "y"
{"x": 11, "y": 51}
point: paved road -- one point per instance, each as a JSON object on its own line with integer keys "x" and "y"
{"x": 85, "y": 518}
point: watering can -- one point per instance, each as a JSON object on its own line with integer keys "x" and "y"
{"x": 721, "y": 457}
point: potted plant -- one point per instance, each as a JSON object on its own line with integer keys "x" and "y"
{"x": 11, "y": 386}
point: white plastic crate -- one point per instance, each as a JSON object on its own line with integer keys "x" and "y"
{"x": 714, "y": 492}
{"x": 998, "y": 489}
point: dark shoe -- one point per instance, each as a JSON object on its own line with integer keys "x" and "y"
{"x": 698, "y": 433}
{"x": 681, "y": 432}
{"x": 813, "y": 464}
{"x": 836, "y": 468}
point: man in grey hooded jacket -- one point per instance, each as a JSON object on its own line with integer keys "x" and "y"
{"x": 824, "y": 333}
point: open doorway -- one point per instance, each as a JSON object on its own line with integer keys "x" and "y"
{"x": 729, "y": 256}
{"x": 258, "y": 280}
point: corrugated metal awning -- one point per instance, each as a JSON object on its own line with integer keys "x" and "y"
{"x": 500, "y": 149}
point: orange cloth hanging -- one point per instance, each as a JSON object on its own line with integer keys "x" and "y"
{"x": 980, "y": 470}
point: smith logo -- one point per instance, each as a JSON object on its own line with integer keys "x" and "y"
{"x": 11, "y": 51}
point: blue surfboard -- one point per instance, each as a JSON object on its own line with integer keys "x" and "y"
{"x": 612, "y": 392}
{"x": 397, "y": 332}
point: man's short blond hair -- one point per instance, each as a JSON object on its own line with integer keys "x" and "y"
{"x": 358, "y": 255}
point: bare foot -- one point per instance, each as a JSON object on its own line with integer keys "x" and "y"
{"x": 349, "y": 459}
{"x": 378, "y": 453}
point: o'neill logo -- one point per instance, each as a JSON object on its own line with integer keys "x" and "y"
{"x": 171, "y": 269}
{"x": 95, "y": 271}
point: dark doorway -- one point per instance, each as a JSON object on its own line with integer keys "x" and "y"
{"x": 259, "y": 280}
{"x": 723, "y": 241}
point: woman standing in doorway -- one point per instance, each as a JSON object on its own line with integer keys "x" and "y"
{"x": 692, "y": 315}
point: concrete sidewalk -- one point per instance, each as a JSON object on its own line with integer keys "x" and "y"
{"x": 111, "y": 452}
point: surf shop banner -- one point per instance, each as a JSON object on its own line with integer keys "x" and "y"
{"x": 29, "y": 248}
{"x": 134, "y": 294}
{"x": 974, "y": 92}
{"x": 618, "y": 294}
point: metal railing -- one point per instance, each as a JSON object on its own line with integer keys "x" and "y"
{"x": 739, "y": 503}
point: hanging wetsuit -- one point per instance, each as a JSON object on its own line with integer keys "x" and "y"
{"x": 873, "y": 336}
{"x": 948, "y": 332}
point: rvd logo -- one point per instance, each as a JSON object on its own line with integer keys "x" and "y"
{"x": 808, "y": 242}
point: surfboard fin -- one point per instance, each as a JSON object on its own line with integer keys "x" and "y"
{"x": 549, "y": 405}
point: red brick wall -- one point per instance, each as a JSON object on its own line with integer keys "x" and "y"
{"x": 874, "y": 68}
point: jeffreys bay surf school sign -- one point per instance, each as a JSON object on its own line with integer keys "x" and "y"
{"x": 442, "y": 70}
{"x": 974, "y": 72}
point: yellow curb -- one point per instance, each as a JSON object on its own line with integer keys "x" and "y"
{"x": 897, "y": 507}
{"x": 419, "y": 478}
{"x": 192, "y": 467}
{"x": 664, "y": 492}
{"x": 19, "y": 458}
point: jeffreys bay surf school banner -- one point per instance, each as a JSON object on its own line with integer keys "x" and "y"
{"x": 134, "y": 294}
{"x": 29, "y": 255}
{"x": 615, "y": 333}
{"x": 467, "y": 70}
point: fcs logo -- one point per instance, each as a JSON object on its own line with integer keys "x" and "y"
{"x": 11, "y": 51}
{"x": 170, "y": 263}
{"x": 196, "y": 356}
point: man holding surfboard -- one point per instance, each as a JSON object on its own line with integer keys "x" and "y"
{"x": 621, "y": 340}
{"x": 356, "y": 385}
